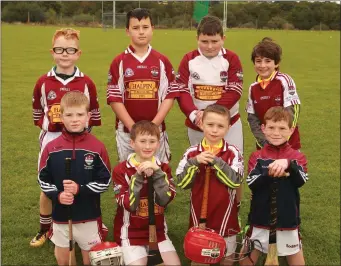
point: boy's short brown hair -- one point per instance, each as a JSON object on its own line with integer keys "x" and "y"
{"x": 277, "y": 114}
{"x": 144, "y": 127}
{"x": 218, "y": 109}
{"x": 138, "y": 13}
{"x": 68, "y": 33}
{"x": 73, "y": 99}
{"x": 211, "y": 26}
{"x": 267, "y": 48}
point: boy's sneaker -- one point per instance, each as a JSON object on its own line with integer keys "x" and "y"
{"x": 39, "y": 239}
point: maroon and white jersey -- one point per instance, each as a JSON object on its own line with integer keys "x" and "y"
{"x": 281, "y": 91}
{"x": 204, "y": 81}
{"x": 48, "y": 93}
{"x": 222, "y": 213}
{"x": 141, "y": 84}
{"x": 132, "y": 227}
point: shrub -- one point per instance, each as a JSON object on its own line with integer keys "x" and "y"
{"x": 248, "y": 25}
{"x": 83, "y": 19}
{"x": 322, "y": 27}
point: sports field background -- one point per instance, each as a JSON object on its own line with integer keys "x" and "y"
{"x": 311, "y": 58}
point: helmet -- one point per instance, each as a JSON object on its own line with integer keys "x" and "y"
{"x": 106, "y": 253}
{"x": 204, "y": 246}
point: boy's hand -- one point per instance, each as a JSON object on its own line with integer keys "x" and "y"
{"x": 70, "y": 186}
{"x": 278, "y": 167}
{"x": 198, "y": 119}
{"x": 205, "y": 157}
{"x": 66, "y": 198}
{"x": 148, "y": 168}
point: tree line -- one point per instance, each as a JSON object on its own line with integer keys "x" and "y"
{"x": 173, "y": 14}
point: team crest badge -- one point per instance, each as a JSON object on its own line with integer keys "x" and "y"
{"x": 291, "y": 90}
{"x": 117, "y": 189}
{"x": 89, "y": 161}
{"x": 129, "y": 72}
{"x": 51, "y": 95}
{"x": 109, "y": 77}
{"x": 240, "y": 75}
{"x": 154, "y": 71}
{"x": 277, "y": 99}
{"x": 223, "y": 76}
{"x": 195, "y": 75}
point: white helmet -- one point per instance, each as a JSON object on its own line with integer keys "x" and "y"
{"x": 106, "y": 253}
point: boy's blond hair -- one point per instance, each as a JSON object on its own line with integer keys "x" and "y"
{"x": 144, "y": 127}
{"x": 74, "y": 99}
{"x": 68, "y": 33}
{"x": 277, "y": 114}
{"x": 218, "y": 109}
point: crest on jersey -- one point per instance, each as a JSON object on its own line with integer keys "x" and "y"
{"x": 177, "y": 76}
{"x": 223, "y": 76}
{"x": 291, "y": 90}
{"x": 195, "y": 75}
{"x": 154, "y": 71}
{"x": 240, "y": 75}
{"x": 117, "y": 189}
{"x": 109, "y": 77}
{"x": 51, "y": 95}
{"x": 277, "y": 99}
{"x": 128, "y": 73}
{"x": 89, "y": 161}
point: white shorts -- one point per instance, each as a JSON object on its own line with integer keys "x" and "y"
{"x": 288, "y": 241}
{"x": 234, "y": 136}
{"x": 133, "y": 253}
{"x": 44, "y": 138}
{"x": 85, "y": 234}
{"x": 124, "y": 148}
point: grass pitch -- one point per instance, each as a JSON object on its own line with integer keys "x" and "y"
{"x": 311, "y": 58}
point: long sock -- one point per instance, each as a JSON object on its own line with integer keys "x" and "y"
{"x": 45, "y": 222}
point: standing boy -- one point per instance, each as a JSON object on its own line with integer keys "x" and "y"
{"x": 141, "y": 85}
{"x": 75, "y": 194}
{"x": 225, "y": 164}
{"x": 130, "y": 186}
{"x": 47, "y": 94}
{"x": 276, "y": 167}
{"x": 211, "y": 74}
{"x": 272, "y": 88}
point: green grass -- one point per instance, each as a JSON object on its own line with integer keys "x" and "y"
{"x": 311, "y": 58}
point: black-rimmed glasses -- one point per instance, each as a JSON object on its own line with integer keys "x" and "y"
{"x": 69, "y": 50}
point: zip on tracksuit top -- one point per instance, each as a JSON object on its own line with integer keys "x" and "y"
{"x": 288, "y": 197}
{"x": 90, "y": 169}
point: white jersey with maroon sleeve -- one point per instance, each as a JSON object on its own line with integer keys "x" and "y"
{"x": 48, "y": 93}
{"x": 208, "y": 81}
{"x": 141, "y": 84}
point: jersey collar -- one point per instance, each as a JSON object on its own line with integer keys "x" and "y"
{"x": 132, "y": 161}
{"x": 221, "y": 52}
{"x": 215, "y": 149}
{"x": 131, "y": 51}
{"x": 52, "y": 73}
{"x": 265, "y": 82}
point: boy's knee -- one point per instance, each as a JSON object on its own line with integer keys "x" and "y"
{"x": 62, "y": 255}
{"x": 45, "y": 204}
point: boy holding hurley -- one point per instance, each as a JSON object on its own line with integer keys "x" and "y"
{"x": 276, "y": 171}
{"x": 75, "y": 190}
{"x": 221, "y": 164}
{"x": 131, "y": 219}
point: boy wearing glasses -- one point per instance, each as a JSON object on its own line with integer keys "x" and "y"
{"x": 47, "y": 94}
